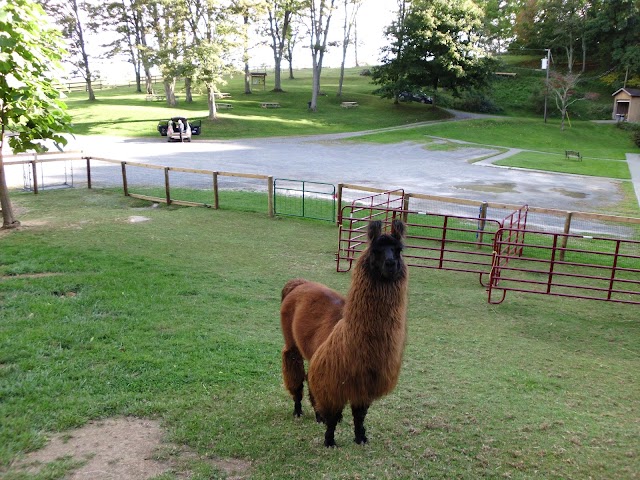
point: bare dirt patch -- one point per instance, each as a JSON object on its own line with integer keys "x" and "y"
{"x": 120, "y": 448}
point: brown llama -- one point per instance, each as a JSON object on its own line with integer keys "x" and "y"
{"x": 357, "y": 360}
{"x": 308, "y": 313}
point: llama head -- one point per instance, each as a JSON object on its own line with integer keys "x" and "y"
{"x": 385, "y": 251}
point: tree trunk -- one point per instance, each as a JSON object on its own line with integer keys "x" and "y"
{"x": 148, "y": 81}
{"x": 8, "y": 219}
{"x": 211, "y": 101}
{"x": 170, "y": 91}
{"x": 276, "y": 74}
{"x": 187, "y": 88}
{"x": 245, "y": 54}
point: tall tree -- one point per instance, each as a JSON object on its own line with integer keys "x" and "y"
{"x": 128, "y": 19}
{"x": 320, "y": 13}
{"x": 213, "y": 35}
{"x": 615, "y": 29}
{"x": 562, "y": 86}
{"x": 249, "y": 11}
{"x": 168, "y": 22}
{"x": 351, "y": 8}
{"x": 72, "y": 15}
{"x": 280, "y": 18}
{"x": 435, "y": 44}
{"x": 30, "y": 105}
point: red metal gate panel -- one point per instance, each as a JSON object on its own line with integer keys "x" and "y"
{"x": 353, "y": 220}
{"x": 444, "y": 242}
{"x": 575, "y": 266}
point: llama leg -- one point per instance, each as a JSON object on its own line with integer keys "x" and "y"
{"x": 332, "y": 421}
{"x": 359, "y": 413}
{"x": 319, "y": 418}
{"x": 293, "y": 374}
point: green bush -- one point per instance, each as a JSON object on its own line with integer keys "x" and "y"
{"x": 633, "y": 128}
{"x": 476, "y": 102}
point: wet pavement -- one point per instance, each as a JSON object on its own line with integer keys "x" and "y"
{"x": 341, "y": 159}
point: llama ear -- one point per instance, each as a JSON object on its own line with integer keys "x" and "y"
{"x": 398, "y": 229}
{"x": 375, "y": 230}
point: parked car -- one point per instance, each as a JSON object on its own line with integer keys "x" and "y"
{"x": 415, "y": 97}
{"x": 179, "y": 129}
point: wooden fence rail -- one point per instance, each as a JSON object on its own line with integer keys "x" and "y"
{"x": 569, "y": 217}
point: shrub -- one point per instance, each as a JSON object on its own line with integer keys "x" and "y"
{"x": 477, "y": 102}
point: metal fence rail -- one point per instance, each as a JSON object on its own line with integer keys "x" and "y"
{"x": 383, "y": 206}
{"x": 443, "y": 242}
{"x": 575, "y": 266}
{"x": 301, "y": 198}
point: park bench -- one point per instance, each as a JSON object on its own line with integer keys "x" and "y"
{"x": 270, "y": 105}
{"x": 572, "y": 154}
{"x": 349, "y": 104}
{"x": 156, "y": 98}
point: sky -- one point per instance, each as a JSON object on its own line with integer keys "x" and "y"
{"x": 374, "y": 16}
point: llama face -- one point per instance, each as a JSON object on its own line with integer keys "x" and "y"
{"x": 385, "y": 257}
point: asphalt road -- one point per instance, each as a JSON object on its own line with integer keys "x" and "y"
{"x": 334, "y": 159}
{"x": 337, "y": 158}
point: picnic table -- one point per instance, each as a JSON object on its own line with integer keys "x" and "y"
{"x": 270, "y": 105}
{"x": 222, "y": 95}
{"x": 224, "y": 106}
{"x": 156, "y": 98}
{"x": 349, "y": 104}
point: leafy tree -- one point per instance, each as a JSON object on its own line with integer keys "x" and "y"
{"x": 434, "y": 44}
{"x": 320, "y": 13}
{"x": 30, "y": 108}
{"x": 249, "y": 10}
{"x": 351, "y": 8}
{"x": 280, "y": 18}
{"x": 168, "y": 26}
{"x": 615, "y": 29}
{"x": 209, "y": 56}
{"x": 498, "y": 23}
{"x": 70, "y": 15}
{"x": 129, "y": 20}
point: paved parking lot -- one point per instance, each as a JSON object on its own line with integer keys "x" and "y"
{"x": 336, "y": 158}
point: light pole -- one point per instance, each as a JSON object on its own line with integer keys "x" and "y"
{"x": 546, "y": 86}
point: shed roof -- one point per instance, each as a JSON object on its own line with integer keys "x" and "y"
{"x": 633, "y": 92}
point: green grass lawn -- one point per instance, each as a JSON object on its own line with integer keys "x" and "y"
{"x": 176, "y": 318}
{"x": 123, "y": 112}
{"x": 558, "y": 163}
{"x": 592, "y": 140}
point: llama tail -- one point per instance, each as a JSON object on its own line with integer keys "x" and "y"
{"x": 290, "y": 285}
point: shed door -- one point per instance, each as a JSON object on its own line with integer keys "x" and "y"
{"x": 622, "y": 107}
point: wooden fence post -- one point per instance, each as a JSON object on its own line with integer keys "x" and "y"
{"x": 270, "y": 191}
{"x": 216, "y": 200}
{"x": 405, "y": 207}
{"x": 482, "y": 222}
{"x": 167, "y": 192}
{"x": 567, "y": 229}
{"x": 125, "y": 186}
{"x": 34, "y": 171}
{"x": 88, "y": 159}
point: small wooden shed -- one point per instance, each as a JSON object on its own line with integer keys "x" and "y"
{"x": 626, "y": 105}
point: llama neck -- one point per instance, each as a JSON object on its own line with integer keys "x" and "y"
{"x": 373, "y": 304}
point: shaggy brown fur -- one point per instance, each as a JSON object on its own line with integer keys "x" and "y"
{"x": 359, "y": 359}
{"x": 308, "y": 313}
